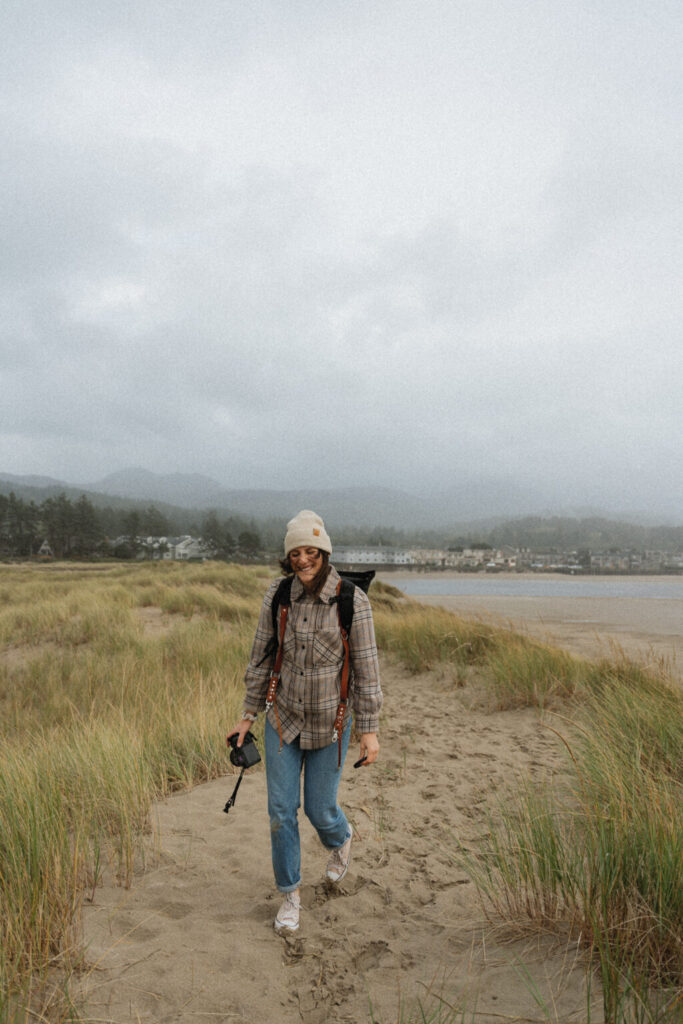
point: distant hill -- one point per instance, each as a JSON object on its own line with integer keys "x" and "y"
{"x": 463, "y": 501}
{"x": 33, "y": 481}
{"x": 39, "y": 493}
{"x": 368, "y": 506}
{"x": 489, "y": 510}
{"x": 186, "y": 490}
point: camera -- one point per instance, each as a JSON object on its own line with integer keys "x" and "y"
{"x": 245, "y": 756}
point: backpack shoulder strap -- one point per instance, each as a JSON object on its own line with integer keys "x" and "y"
{"x": 282, "y": 596}
{"x": 345, "y": 603}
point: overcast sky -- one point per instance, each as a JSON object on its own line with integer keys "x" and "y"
{"x": 343, "y": 241}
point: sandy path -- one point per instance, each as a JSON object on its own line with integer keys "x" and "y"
{"x": 193, "y": 939}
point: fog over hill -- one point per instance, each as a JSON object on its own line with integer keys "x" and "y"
{"x": 469, "y": 504}
{"x": 188, "y": 490}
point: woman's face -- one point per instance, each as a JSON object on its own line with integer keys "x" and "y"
{"x": 306, "y": 563}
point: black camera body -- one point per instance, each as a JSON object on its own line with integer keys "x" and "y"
{"x": 245, "y": 756}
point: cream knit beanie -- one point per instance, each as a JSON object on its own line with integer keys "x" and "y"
{"x": 307, "y": 530}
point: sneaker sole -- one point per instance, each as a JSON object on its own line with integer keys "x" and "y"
{"x": 280, "y": 928}
{"x": 338, "y": 878}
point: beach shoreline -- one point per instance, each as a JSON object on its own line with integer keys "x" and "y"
{"x": 437, "y": 574}
{"x": 645, "y": 629}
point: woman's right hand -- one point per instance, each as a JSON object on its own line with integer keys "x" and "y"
{"x": 242, "y": 727}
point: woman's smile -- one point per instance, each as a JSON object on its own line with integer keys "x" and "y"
{"x": 305, "y": 562}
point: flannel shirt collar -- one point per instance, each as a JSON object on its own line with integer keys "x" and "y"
{"x": 328, "y": 592}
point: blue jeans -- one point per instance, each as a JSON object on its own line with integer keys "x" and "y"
{"x": 321, "y": 781}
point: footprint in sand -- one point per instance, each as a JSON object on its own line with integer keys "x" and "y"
{"x": 174, "y": 910}
{"x": 371, "y": 955}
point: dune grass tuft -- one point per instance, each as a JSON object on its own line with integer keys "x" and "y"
{"x": 605, "y": 854}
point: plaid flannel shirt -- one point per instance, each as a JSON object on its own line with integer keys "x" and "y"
{"x": 313, "y": 655}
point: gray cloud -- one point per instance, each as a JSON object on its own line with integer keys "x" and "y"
{"x": 410, "y": 244}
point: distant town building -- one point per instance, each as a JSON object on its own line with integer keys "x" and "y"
{"x": 185, "y": 549}
{"x": 376, "y": 557}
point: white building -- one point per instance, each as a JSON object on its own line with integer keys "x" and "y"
{"x": 375, "y": 556}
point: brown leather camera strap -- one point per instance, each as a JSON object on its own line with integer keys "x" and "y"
{"x": 275, "y": 672}
{"x": 344, "y": 687}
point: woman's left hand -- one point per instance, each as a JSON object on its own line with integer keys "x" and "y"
{"x": 369, "y": 748}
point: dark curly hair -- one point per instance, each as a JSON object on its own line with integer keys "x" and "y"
{"x": 318, "y": 581}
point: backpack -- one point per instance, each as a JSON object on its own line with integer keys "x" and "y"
{"x": 279, "y": 610}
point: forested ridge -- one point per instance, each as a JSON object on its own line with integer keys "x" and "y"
{"x": 80, "y": 529}
{"x": 81, "y": 525}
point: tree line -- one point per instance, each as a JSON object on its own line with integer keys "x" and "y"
{"x": 70, "y": 528}
{"x": 79, "y": 529}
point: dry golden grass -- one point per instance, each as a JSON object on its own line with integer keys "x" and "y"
{"x": 98, "y": 719}
{"x": 100, "y": 715}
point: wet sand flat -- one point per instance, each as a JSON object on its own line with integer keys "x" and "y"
{"x": 643, "y": 628}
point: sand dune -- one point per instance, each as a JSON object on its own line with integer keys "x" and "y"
{"x": 193, "y": 939}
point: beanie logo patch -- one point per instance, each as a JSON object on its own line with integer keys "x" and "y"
{"x": 316, "y": 531}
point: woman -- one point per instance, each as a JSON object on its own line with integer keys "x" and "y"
{"x": 299, "y": 733}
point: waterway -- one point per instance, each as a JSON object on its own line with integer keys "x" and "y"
{"x": 533, "y": 585}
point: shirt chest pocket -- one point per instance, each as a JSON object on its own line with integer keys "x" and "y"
{"x": 328, "y": 648}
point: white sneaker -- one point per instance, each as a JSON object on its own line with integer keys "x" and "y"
{"x": 338, "y": 864}
{"x": 287, "y": 919}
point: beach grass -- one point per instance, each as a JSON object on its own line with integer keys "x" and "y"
{"x": 99, "y": 717}
{"x": 601, "y": 849}
{"x": 514, "y": 670}
{"x": 117, "y": 684}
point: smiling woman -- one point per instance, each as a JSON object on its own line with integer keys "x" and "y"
{"x": 304, "y": 678}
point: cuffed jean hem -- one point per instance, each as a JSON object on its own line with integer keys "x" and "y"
{"x": 288, "y": 888}
{"x": 331, "y": 849}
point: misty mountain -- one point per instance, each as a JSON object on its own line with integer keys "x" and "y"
{"x": 473, "y": 498}
{"x": 33, "y": 481}
{"x": 340, "y": 506}
{"x": 186, "y": 490}
{"x": 459, "y": 508}
{"x": 38, "y": 493}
